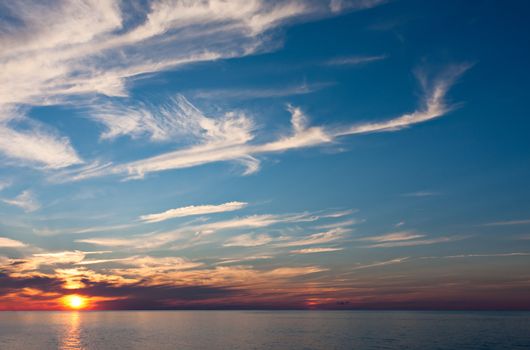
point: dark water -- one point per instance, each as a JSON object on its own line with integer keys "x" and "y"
{"x": 264, "y": 330}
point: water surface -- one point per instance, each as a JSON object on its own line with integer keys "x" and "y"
{"x": 264, "y": 330}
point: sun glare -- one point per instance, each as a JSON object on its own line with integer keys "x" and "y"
{"x": 75, "y": 302}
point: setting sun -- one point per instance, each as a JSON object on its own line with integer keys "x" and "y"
{"x": 75, "y": 301}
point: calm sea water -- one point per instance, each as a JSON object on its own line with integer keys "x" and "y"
{"x": 264, "y": 330}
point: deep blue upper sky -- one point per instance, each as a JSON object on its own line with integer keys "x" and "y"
{"x": 327, "y": 143}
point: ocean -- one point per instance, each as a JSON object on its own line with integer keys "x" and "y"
{"x": 328, "y": 330}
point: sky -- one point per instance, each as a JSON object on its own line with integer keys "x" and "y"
{"x": 252, "y": 154}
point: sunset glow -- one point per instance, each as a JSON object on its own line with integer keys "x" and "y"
{"x": 75, "y": 302}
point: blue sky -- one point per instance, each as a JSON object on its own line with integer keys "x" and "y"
{"x": 309, "y": 153}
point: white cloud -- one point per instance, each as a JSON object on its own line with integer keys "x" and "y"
{"x": 31, "y": 143}
{"x": 192, "y": 210}
{"x": 229, "y": 138}
{"x": 315, "y": 250}
{"x": 494, "y": 255}
{"x": 158, "y": 239}
{"x": 381, "y": 263}
{"x": 416, "y": 242}
{"x": 434, "y": 105}
{"x": 248, "y": 240}
{"x": 4, "y": 184}
{"x": 354, "y": 60}
{"x": 26, "y": 200}
{"x": 112, "y": 242}
{"x": 256, "y": 93}
{"x": 63, "y": 50}
{"x": 341, "y": 5}
{"x": 160, "y": 264}
{"x": 318, "y": 238}
{"x": 394, "y": 236}
{"x": 35, "y": 261}
{"x": 225, "y": 261}
{"x": 196, "y": 232}
{"x": 10, "y": 243}
{"x": 508, "y": 223}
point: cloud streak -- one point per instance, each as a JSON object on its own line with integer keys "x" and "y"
{"x": 10, "y": 243}
{"x": 417, "y": 242}
{"x": 62, "y": 51}
{"x": 192, "y": 210}
{"x": 354, "y": 60}
{"x": 315, "y": 250}
{"x": 230, "y": 138}
{"x": 25, "y": 200}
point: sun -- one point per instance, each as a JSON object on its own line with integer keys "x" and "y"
{"x": 75, "y": 301}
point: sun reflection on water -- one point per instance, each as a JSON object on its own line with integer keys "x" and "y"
{"x": 71, "y": 336}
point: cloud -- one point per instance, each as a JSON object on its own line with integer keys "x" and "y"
{"x": 394, "y": 236}
{"x": 315, "y": 250}
{"x": 493, "y": 255}
{"x": 4, "y": 184}
{"x": 25, "y": 200}
{"x": 145, "y": 265}
{"x": 508, "y": 223}
{"x": 10, "y": 243}
{"x": 31, "y": 143}
{"x": 158, "y": 239}
{"x": 354, "y": 60}
{"x": 341, "y": 5}
{"x": 257, "y": 93}
{"x": 248, "y": 240}
{"x": 434, "y": 105}
{"x": 225, "y": 261}
{"x": 91, "y": 47}
{"x": 318, "y": 238}
{"x": 381, "y": 263}
{"x": 196, "y": 232}
{"x": 421, "y": 194}
{"x": 37, "y": 260}
{"x": 345, "y": 223}
{"x": 192, "y": 210}
{"x": 64, "y": 52}
{"x": 231, "y": 136}
{"x": 417, "y": 242}
{"x": 112, "y": 242}
{"x": 80, "y": 230}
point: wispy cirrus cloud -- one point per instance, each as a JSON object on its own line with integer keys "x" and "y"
{"x": 158, "y": 239}
{"x": 316, "y": 250}
{"x": 248, "y": 240}
{"x": 380, "y": 263}
{"x": 25, "y": 200}
{"x": 192, "y": 210}
{"x": 421, "y": 194}
{"x": 225, "y": 261}
{"x": 354, "y": 60}
{"x": 433, "y": 104}
{"x": 341, "y": 5}
{"x": 477, "y": 255}
{"x": 66, "y": 50}
{"x": 417, "y": 242}
{"x": 508, "y": 223}
{"x": 32, "y": 143}
{"x": 394, "y": 236}
{"x": 257, "y": 93}
{"x": 230, "y": 137}
{"x": 318, "y": 238}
